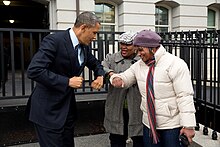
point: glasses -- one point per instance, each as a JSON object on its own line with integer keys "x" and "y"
{"x": 126, "y": 44}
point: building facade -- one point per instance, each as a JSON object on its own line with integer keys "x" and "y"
{"x": 123, "y": 15}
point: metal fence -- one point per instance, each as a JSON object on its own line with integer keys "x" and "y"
{"x": 200, "y": 50}
{"x": 17, "y": 47}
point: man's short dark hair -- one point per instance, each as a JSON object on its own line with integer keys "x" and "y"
{"x": 88, "y": 18}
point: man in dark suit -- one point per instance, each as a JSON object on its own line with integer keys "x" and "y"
{"x": 56, "y": 69}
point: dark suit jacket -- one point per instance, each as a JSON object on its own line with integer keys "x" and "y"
{"x": 51, "y": 67}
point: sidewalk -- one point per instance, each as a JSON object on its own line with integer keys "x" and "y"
{"x": 101, "y": 140}
{"x": 206, "y": 140}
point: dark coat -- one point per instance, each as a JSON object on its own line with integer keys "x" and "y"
{"x": 51, "y": 67}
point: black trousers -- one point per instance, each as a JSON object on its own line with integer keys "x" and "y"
{"x": 63, "y": 137}
{"x": 117, "y": 140}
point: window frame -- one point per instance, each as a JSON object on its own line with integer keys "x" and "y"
{"x": 168, "y": 26}
{"x": 216, "y": 25}
{"x": 115, "y": 13}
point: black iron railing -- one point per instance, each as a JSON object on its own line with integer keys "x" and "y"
{"x": 17, "y": 47}
{"x": 200, "y": 50}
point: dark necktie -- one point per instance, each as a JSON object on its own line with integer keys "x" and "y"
{"x": 80, "y": 54}
{"x": 150, "y": 101}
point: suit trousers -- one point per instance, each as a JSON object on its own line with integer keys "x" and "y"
{"x": 62, "y": 137}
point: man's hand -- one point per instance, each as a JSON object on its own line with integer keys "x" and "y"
{"x": 75, "y": 82}
{"x": 190, "y": 133}
{"x": 97, "y": 83}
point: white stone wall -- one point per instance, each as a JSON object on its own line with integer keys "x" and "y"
{"x": 139, "y": 14}
{"x": 136, "y": 15}
{"x": 64, "y": 15}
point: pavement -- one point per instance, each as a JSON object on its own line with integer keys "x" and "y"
{"x": 206, "y": 140}
{"x": 101, "y": 140}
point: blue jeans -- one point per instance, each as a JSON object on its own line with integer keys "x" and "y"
{"x": 168, "y": 138}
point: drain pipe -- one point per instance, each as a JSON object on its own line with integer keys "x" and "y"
{"x": 77, "y": 7}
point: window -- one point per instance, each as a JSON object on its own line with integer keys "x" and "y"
{"x": 106, "y": 14}
{"x": 211, "y": 19}
{"x": 161, "y": 19}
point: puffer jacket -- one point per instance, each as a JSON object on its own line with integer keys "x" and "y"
{"x": 113, "y": 121}
{"x": 172, "y": 88}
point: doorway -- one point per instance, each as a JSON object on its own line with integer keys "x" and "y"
{"x": 27, "y": 14}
